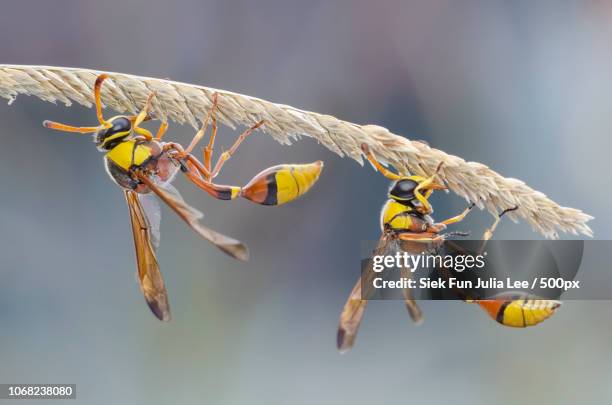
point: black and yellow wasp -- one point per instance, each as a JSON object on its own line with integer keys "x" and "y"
{"x": 407, "y": 225}
{"x": 143, "y": 166}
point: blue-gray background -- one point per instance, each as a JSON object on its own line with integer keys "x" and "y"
{"x": 522, "y": 87}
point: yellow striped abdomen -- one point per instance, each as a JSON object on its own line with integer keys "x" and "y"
{"x": 283, "y": 183}
{"x": 519, "y": 312}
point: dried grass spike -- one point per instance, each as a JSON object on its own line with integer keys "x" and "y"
{"x": 183, "y": 102}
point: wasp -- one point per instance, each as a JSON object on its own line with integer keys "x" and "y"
{"x": 406, "y": 224}
{"x": 144, "y": 166}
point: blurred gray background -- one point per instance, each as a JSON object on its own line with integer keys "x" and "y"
{"x": 523, "y": 87}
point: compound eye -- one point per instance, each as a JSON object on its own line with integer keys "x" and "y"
{"x": 120, "y": 124}
{"x": 403, "y": 189}
{"x": 406, "y": 186}
{"x": 109, "y": 137}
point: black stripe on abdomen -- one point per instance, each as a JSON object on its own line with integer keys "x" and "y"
{"x": 272, "y": 193}
{"x": 224, "y": 194}
{"x": 500, "y": 314}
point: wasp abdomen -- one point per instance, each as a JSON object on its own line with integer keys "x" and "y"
{"x": 519, "y": 312}
{"x": 283, "y": 183}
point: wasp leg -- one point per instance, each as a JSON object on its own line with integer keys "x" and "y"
{"x": 202, "y": 170}
{"x": 488, "y": 233}
{"x": 136, "y": 119}
{"x": 200, "y": 134}
{"x": 162, "y": 130}
{"x": 84, "y": 130}
{"x": 97, "y": 87}
{"x": 430, "y": 182}
{"x": 460, "y": 217}
{"x": 429, "y": 185}
{"x": 68, "y": 128}
{"x": 208, "y": 151}
{"x": 228, "y": 154}
{"x": 143, "y": 116}
{"x": 440, "y": 226}
{"x": 422, "y": 236}
{"x": 182, "y": 156}
{"x": 198, "y": 167}
{"x": 383, "y": 170}
{"x": 197, "y": 173}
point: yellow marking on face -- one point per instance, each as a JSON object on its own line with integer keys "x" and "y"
{"x": 118, "y": 135}
{"x": 235, "y": 192}
{"x": 128, "y": 154}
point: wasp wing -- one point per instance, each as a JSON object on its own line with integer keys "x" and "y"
{"x": 175, "y": 193}
{"x": 190, "y": 215}
{"x": 151, "y": 207}
{"x": 353, "y": 311}
{"x": 413, "y": 308}
{"x": 413, "y": 247}
{"x": 151, "y": 281}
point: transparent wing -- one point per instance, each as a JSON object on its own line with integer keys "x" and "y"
{"x": 411, "y": 305}
{"x": 152, "y": 210}
{"x": 151, "y": 281}
{"x": 415, "y": 248}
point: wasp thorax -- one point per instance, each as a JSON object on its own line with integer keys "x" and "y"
{"x": 403, "y": 189}
{"x": 108, "y": 137}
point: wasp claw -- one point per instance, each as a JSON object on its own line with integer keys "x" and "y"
{"x": 508, "y": 210}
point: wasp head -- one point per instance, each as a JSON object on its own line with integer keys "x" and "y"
{"x": 108, "y": 136}
{"x": 415, "y": 191}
